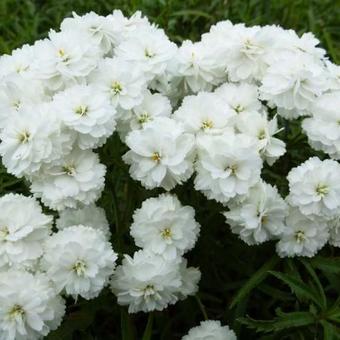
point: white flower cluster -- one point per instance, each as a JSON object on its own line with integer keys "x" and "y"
{"x": 37, "y": 266}
{"x": 61, "y": 98}
{"x": 157, "y": 275}
{"x": 209, "y": 109}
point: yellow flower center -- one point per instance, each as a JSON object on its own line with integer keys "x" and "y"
{"x": 81, "y": 110}
{"x": 207, "y": 124}
{"x": 166, "y": 234}
{"x": 16, "y": 311}
{"x": 24, "y": 137}
{"x": 156, "y": 157}
{"x": 4, "y": 232}
{"x": 300, "y": 236}
{"x": 79, "y": 268}
{"x": 69, "y": 169}
{"x": 322, "y": 190}
{"x": 143, "y": 118}
{"x": 116, "y": 87}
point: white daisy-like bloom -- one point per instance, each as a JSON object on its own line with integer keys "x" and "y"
{"x": 314, "y": 187}
{"x": 122, "y": 82}
{"x": 15, "y": 94}
{"x": 165, "y": 227}
{"x": 160, "y": 155}
{"x": 153, "y": 105}
{"x": 89, "y": 215}
{"x": 190, "y": 278}
{"x": 64, "y": 58}
{"x": 88, "y": 112}
{"x": 23, "y": 228}
{"x": 79, "y": 261}
{"x": 127, "y": 28}
{"x": 248, "y": 53}
{"x": 19, "y": 62}
{"x": 294, "y": 81}
{"x": 260, "y": 216}
{"x": 210, "y": 330}
{"x": 150, "y": 48}
{"x": 258, "y": 126}
{"x": 204, "y": 113}
{"x": 307, "y": 43}
{"x": 228, "y": 165}
{"x": 147, "y": 282}
{"x": 29, "y": 306}
{"x": 334, "y": 231}
{"x": 101, "y": 30}
{"x": 76, "y": 179}
{"x": 198, "y": 67}
{"x": 333, "y": 75}
{"x": 302, "y": 236}
{"x": 240, "y": 97}
{"x": 322, "y": 128}
{"x": 33, "y": 137}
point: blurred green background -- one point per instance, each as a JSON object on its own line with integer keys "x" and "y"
{"x": 226, "y": 263}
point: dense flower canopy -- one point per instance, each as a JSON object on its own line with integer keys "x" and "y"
{"x": 212, "y": 110}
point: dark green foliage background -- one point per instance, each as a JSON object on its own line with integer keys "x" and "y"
{"x": 259, "y": 295}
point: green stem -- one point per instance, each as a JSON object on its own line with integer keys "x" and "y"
{"x": 202, "y": 307}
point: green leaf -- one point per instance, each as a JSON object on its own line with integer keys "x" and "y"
{"x": 315, "y": 278}
{"x": 283, "y": 321}
{"x": 333, "y": 314}
{"x": 328, "y": 265}
{"x": 192, "y": 12}
{"x": 148, "y": 329}
{"x": 299, "y": 288}
{"x": 254, "y": 281}
{"x": 330, "y": 332}
{"x": 126, "y": 325}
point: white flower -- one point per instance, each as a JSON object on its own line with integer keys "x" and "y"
{"x": 19, "y": 62}
{"x": 147, "y": 282}
{"x": 79, "y": 261}
{"x": 127, "y": 28}
{"x": 333, "y": 75}
{"x": 204, "y": 113}
{"x": 101, "y": 30}
{"x": 258, "y": 126}
{"x": 314, "y": 187}
{"x": 64, "y": 58}
{"x": 210, "y": 330}
{"x": 150, "y": 48}
{"x": 88, "y": 112}
{"x": 161, "y": 155}
{"x": 293, "y": 82}
{"x": 23, "y": 228}
{"x": 122, "y": 82}
{"x": 76, "y": 179}
{"x": 165, "y": 227}
{"x": 322, "y": 128}
{"x": 248, "y": 52}
{"x": 190, "y": 278}
{"x": 33, "y": 137}
{"x": 334, "y": 231}
{"x": 228, "y": 165}
{"x": 89, "y": 215}
{"x": 153, "y": 105}
{"x": 241, "y": 98}
{"x": 29, "y": 306}
{"x": 302, "y": 236}
{"x": 260, "y": 216}
{"x": 15, "y": 94}
{"x": 198, "y": 66}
